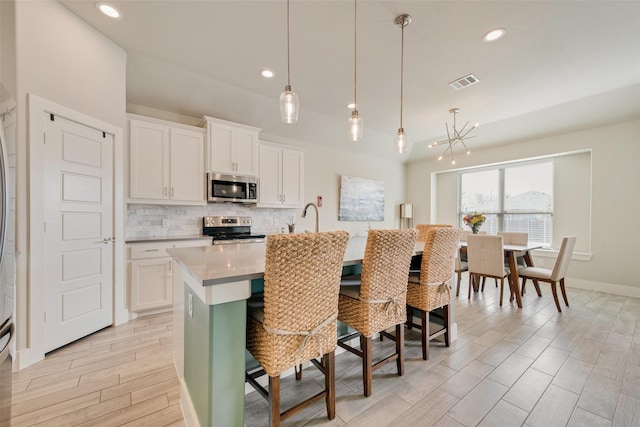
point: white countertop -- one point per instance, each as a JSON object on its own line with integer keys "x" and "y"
{"x": 219, "y": 264}
{"x": 165, "y": 238}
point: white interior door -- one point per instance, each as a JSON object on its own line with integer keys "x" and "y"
{"x": 78, "y": 235}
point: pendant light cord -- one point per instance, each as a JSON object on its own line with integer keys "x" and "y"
{"x": 288, "y": 48}
{"x": 355, "y": 52}
{"x": 401, "y": 72}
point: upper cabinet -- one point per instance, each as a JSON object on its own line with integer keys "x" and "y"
{"x": 281, "y": 176}
{"x": 231, "y": 147}
{"x": 166, "y": 162}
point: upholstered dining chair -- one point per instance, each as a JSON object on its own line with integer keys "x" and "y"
{"x": 298, "y": 320}
{"x": 515, "y": 238}
{"x": 431, "y": 288}
{"x": 486, "y": 259}
{"x": 376, "y": 299}
{"x": 554, "y": 276}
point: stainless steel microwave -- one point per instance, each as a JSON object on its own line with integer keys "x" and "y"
{"x": 231, "y": 188}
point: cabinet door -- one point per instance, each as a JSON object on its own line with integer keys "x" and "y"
{"x": 187, "y": 165}
{"x": 245, "y": 152}
{"x": 151, "y": 283}
{"x": 269, "y": 183}
{"x": 149, "y": 161}
{"x": 292, "y": 178}
{"x": 220, "y": 146}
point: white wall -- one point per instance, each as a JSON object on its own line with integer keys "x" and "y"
{"x": 62, "y": 59}
{"x": 614, "y": 197}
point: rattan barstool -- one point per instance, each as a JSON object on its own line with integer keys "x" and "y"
{"x": 431, "y": 289}
{"x": 376, "y": 300}
{"x": 298, "y": 321}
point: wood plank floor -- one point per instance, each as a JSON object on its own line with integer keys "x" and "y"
{"x": 509, "y": 367}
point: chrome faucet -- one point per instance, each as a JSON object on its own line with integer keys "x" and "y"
{"x": 304, "y": 212}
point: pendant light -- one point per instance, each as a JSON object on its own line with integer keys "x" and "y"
{"x": 289, "y": 104}
{"x": 355, "y": 121}
{"x": 401, "y": 138}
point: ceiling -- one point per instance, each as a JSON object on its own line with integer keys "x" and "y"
{"x": 562, "y": 65}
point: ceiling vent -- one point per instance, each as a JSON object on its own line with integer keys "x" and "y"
{"x": 463, "y": 82}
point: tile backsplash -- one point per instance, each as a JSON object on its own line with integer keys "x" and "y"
{"x": 169, "y": 220}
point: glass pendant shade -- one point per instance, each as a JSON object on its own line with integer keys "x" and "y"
{"x": 289, "y": 105}
{"x": 355, "y": 126}
{"x": 401, "y": 141}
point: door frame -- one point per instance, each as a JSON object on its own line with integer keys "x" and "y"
{"x": 37, "y": 108}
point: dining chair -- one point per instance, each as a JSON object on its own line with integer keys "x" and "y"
{"x": 486, "y": 259}
{"x": 461, "y": 260}
{"x": 431, "y": 288}
{"x": 376, "y": 299}
{"x": 423, "y": 230}
{"x": 554, "y": 276}
{"x": 297, "y": 319}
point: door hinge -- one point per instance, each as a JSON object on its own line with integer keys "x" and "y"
{"x": 45, "y": 317}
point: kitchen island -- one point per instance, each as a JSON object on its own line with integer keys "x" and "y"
{"x": 210, "y": 322}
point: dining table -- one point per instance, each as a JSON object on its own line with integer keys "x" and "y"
{"x": 511, "y": 252}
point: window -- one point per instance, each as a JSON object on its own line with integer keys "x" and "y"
{"x": 515, "y": 197}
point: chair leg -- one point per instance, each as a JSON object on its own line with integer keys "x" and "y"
{"x": 298, "y": 370}
{"x": 274, "y": 401}
{"x": 365, "y": 345}
{"x": 329, "y": 360}
{"x": 496, "y": 280}
{"x": 471, "y": 280}
{"x": 501, "y": 289}
{"x": 425, "y": 335}
{"x": 400, "y": 348}
{"x": 564, "y": 293}
{"x": 524, "y": 281}
{"x": 409, "y": 317}
{"x": 445, "y": 322}
{"x": 554, "y": 291}
{"x": 484, "y": 279}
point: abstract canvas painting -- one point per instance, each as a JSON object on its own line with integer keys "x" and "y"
{"x": 361, "y": 199}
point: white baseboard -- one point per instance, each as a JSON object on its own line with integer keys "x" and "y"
{"x": 609, "y": 288}
{"x": 188, "y": 411}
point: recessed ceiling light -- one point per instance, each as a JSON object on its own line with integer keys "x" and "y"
{"x": 494, "y": 35}
{"x": 109, "y": 10}
{"x": 267, "y": 74}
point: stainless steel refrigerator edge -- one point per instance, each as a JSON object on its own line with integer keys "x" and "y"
{"x": 7, "y": 276}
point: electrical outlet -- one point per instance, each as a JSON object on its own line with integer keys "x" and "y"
{"x": 319, "y": 201}
{"x": 190, "y": 305}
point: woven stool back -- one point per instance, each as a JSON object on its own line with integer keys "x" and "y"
{"x": 301, "y": 287}
{"x": 423, "y": 230}
{"x": 383, "y": 287}
{"x": 436, "y": 270}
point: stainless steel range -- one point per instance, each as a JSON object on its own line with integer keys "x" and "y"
{"x": 230, "y": 229}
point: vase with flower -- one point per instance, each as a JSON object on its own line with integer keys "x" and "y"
{"x": 474, "y": 221}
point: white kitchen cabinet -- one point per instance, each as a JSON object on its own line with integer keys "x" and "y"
{"x": 231, "y": 147}
{"x": 281, "y": 176}
{"x": 151, "y": 273}
{"x": 166, "y": 162}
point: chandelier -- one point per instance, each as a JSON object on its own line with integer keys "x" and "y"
{"x": 454, "y": 136}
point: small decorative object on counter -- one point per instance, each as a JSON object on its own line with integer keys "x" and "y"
{"x": 474, "y": 221}
{"x": 292, "y": 225}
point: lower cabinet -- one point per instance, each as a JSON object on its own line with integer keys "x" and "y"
{"x": 151, "y": 273}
